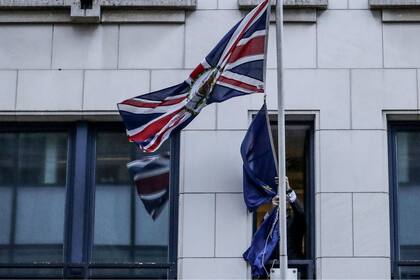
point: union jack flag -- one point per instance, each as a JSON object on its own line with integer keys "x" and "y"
{"x": 235, "y": 67}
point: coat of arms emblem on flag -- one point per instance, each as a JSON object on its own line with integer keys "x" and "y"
{"x": 235, "y": 67}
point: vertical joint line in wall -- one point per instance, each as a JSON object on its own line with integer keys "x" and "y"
{"x": 184, "y": 53}
{"x": 352, "y": 223}
{"x": 83, "y": 88}
{"x": 52, "y": 45}
{"x": 348, "y": 4}
{"x": 382, "y": 33}
{"x": 320, "y": 225}
{"x": 118, "y": 45}
{"x": 150, "y": 80}
{"x": 215, "y": 212}
{"x": 351, "y": 98}
{"x": 16, "y": 88}
{"x": 316, "y": 40}
{"x": 215, "y": 118}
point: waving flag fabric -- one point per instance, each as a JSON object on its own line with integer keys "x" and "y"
{"x": 259, "y": 164}
{"x": 235, "y": 67}
{"x": 263, "y": 244}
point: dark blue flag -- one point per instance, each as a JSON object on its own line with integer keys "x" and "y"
{"x": 259, "y": 164}
{"x": 263, "y": 244}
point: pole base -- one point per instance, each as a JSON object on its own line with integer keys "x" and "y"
{"x": 292, "y": 274}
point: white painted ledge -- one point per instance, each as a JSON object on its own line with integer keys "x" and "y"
{"x": 295, "y": 4}
{"x": 397, "y": 10}
{"x": 139, "y": 4}
{"x": 401, "y": 15}
{"x": 388, "y": 4}
{"x": 30, "y": 11}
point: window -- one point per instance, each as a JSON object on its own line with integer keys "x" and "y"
{"x": 404, "y": 157}
{"x": 79, "y": 201}
{"x": 299, "y": 169}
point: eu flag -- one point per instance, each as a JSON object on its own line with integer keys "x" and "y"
{"x": 263, "y": 244}
{"x": 259, "y": 164}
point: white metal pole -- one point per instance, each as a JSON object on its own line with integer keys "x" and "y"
{"x": 281, "y": 143}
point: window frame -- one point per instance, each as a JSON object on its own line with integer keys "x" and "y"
{"x": 45, "y": 127}
{"x": 310, "y": 238}
{"x": 80, "y": 204}
{"x": 393, "y": 128}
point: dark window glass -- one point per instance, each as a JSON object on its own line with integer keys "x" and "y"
{"x": 131, "y": 202}
{"x": 32, "y": 196}
{"x": 410, "y": 272}
{"x": 84, "y": 203}
{"x": 408, "y": 174}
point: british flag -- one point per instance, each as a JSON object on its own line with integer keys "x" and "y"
{"x": 235, "y": 67}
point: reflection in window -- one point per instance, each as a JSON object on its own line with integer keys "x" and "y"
{"x": 408, "y": 174}
{"x": 131, "y": 209}
{"x": 32, "y": 193}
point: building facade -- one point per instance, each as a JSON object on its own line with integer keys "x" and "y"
{"x": 68, "y": 207}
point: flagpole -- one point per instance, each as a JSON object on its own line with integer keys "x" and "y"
{"x": 281, "y": 144}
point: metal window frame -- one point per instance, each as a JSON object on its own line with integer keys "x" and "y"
{"x": 309, "y": 263}
{"x": 79, "y": 209}
{"x": 393, "y": 128}
{"x": 13, "y": 127}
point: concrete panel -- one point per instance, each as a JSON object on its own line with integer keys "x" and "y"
{"x": 205, "y": 120}
{"x": 212, "y": 161}
{"x": 358, "y": 4}
{"x": 198, "y": 46}
{"x": 105, "y": 88}
{"x": 337, "y": 4}
{"x": 198, "y": 225}
{"x": 49, "y": 90}
{"x": 233, "y": 232}
{"x": 324, "y": 90}
{"x": 336, "y": 225}
{"x": 206, "y": 4}
{"x": 166, "y": 78}
{"x": 228, "y": 4}
{"x": 371, "y": 225}
{"x": 234, "y": 113}
{"x": 20, "y": 43}
{"x": 299, "y": 46}
{"x": 350, "y": 39}
{"x": 7, "y": 90}
{"x": 353, "y": 161}
{"x": 401, "y": 45}
{"x": 310, "y": 89}
{"x": 355, "y": 268}
{"x": 377, "y": 90}
{"x": 85, "y": 46}
{"x": 151, "y": 46}
{"x": 214, "y": 268}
